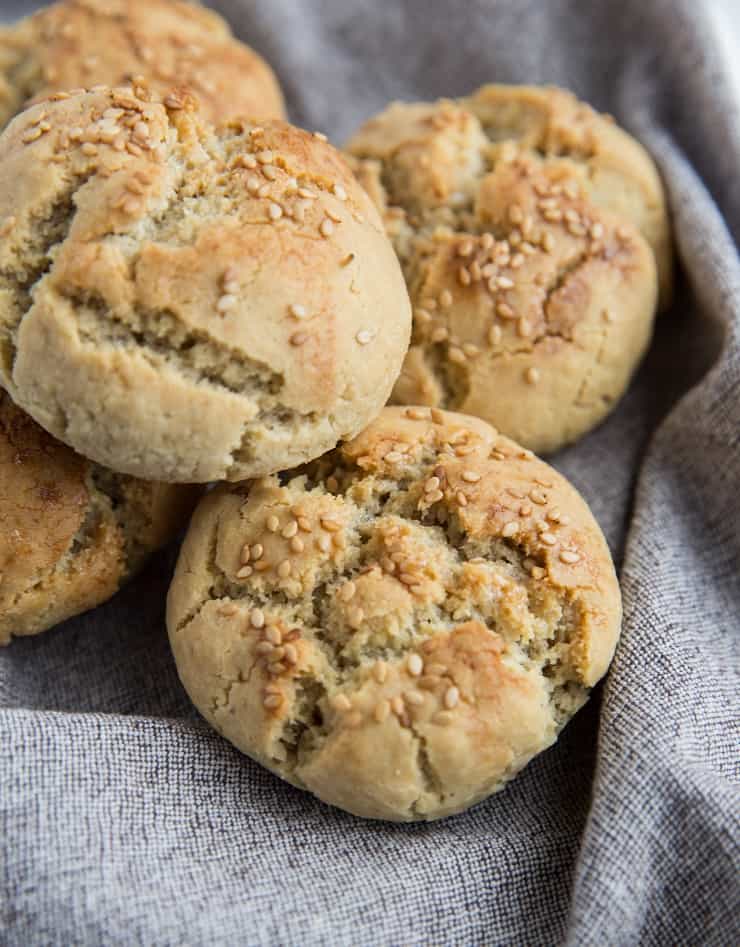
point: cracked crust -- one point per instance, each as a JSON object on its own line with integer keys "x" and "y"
{"x": 80, "y": 43}
{"x": 188, "y": 305}
{"x": 401, "y": 625}
{"x": 71, "y": 531}
{"x": 528, "y": 228}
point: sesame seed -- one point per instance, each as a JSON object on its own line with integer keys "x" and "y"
{"x": 525, "y": 510}
{"x": 226, "y": 302}
{"x": 291, "y": 654}
{"x": 364, "y": 336}
{"x": 228, "y": 609}
{"x": 88, "y": 149}
{"x": 298, "y": 338}
{"x": 464, "y": 277}
{"x": 272, "y": 701}
{"x": 510, "y": 529}
{"x": 284, "y": 569}
{"x": 569, "y": 557}
{"x": 245, "y": 554}
{"x": 326, "y": 229}
{"x": 380, "y": 671}
{"x": 537, "y": 496}
{"x": 415, "y": 665}
{"x": 257, "y": 620}
{"x": 607, "y": 316}
{"x": 397, "y": 705}
{"x": 272, "y": 523}
{"x": 503, "y": 282}
{"x": 414, "y": 698}
{"x": 456, "y": 355}
{"x": 320, "y": 135}
{"x": 445, "y": 298}
{"x": 465, "y": 248}
{"x": 436, "y": 670}
{"x": 264, "y": 647}
{"x": 505, "y": 311}
{"x": 272, "y": 634}
{"x": 355, "y": 617}
{"x": 439, "y": 334}
{"x": 532, "y": 376}
{"x": 393, "y": 456}
{"x": 275, "y": 211}
{"x": 262, "y": 566}
{"x": 341, "y": 703}
{"x": 290, "y": 530}
{"x": 452, "y": 696}
{"x": 461, "y": 498}
{"x": 382, "y": 710}
{"x": 549, "y": 539}
{"x": 470, "y": 350}
{"x": 244, "y": 572}
{"x": 297, "y": 311}
{"x": 257, "y": 551}
{"x": 324, "y": 543}
{"x": 437, "y": 416}
{"x": 470, "y": 476}
{"x": 494, "y": 335}
{"x": 339, "y": 192}
{"x": 330, "y": 525}
{"x": 487, "y": 241}
{"x": 7, "y": 226}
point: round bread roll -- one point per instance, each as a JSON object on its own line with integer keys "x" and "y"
{"x": 172, "y": 43}
{"x": 400, "y": 626}
{"x": 184, "y": 304}
{"x": 528, "y": 228}
{"x": 70, "y": 532}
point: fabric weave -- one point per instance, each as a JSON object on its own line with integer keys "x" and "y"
{"x": 125, "y": 820}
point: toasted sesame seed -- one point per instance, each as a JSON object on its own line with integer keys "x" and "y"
{"x": 330, "y": 525}
{"x": 397, "y": 705}
{"x": 452, "y": 696}
{"x": 275, "y": 211}
{"x": 549, "y": 539}
{"x": 382, "y": 710}
{"x": 245, "y": 554}
{"x": 326, "y": 228}
{"x": 257, "y": 551}
{"x": 487, "y": 241}
{"x": 272, "y": 634}
{"x": 569, "y": 556}
{"x": 272, "y": 523}
{"x": 414, "y": 698}
{"x": 457, "y": 355}
{"x": 445, "y": 298}
{"x": 510, "y": 529}
{"x": 524, "y": 327}
{"x": 364, "y": 336}
{"x": 284, "y": 569}
{"x": 437, "y": 416}
{"x": 380, "y": 671}
{"x": 264, "y": 647}
{"x": 415, "y": 665}
{"x": 7, "y": 226}
{"x": 416, "y": 414}
{"x": 393, "y": 456}
{"x": 461, "y": 498}
{"x": 324, "y": 543}
{"x": 257, "y": 620}
{"x": 465, "y": 248}
{"x": 229, "y": 608}
{"x": 355, "y": 617}
{"x": 341, "y": 703}
{"x": 299, "y": 338}
{"x": 290, "y": 530}
{"x": 532, "y": 375}
{"x": 291, "y": 654}
{"x": 470, "y": 349}
{"x": 470, "y": 476}
{"x": 226, "y": 302}
{"x": 296, "y": 544}
{"x": 525, "y": 510}
{"x": 494, "y": 335}
{"x": 339, "y": 192}
{"x": 436, "y": 670}
{"x": 505, "y": 311}
{"x": 272, "y": 701}
{"x": 244, "y": 572}
{"x": 347, "y": 591}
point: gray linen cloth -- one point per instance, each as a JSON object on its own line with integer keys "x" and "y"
{"x": 125, "y": 820}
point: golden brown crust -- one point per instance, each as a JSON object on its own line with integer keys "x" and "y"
{"x": 517, "y": 214}
{"x": 171, "y": 43}
{"x": 188, "y": 305}
{"x": 72, "y": 532}
{"x": 401, "y": 625}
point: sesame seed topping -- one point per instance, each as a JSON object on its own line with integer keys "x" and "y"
{"x": 437, "y": 416}
{"x": 549, "y": 539}
{"x": 445, "y": 298}
{"x": 569, "y": 556}
{"x": 273, "y": 634}
{"x": 297, "y": 311}
{"x": 414, "y": 698}
{"x": 524, "y": 328}
{"x": 347, "y": 591}
{"x": 228, "y": 609}
{"x": 226, "y": 302}
{"x": 341, "y": 703}
{"x": 415, "y": 414}
{"x": 532, "y": 375}
{"x": 364, "y": 336}
{"x": 330, "y": 525}
{"x": 494, "y": 335}
{"x": 257, "y": 550}
{"x": 382, "y": 710}
{"x": 284, "y": 569}
{"x": 257, "y": 620}
{"x": 397, "y": 705}
{"x": 510, "y": 529}
{"x": 439, "y": 334}
{"x": 272, "y": 523}
{"x": 244, "y": 572}
{"x": 537, "y": 496}
{"x": 272, "y": 701}
{"x": 355, "y": 617}
{"x": 456, "y": 355}
{"x": 461, "y": 498}
{"x": 525, "y": 510}
{"x": 505, "y": 311}
{"x": 324, "y": 543}
{"x": 380, "y": 671}
{"x": 415, "y": 665}
{"x": 326, "y": 229}
{"x": 290, "y": 530}
{"x": 470, "y": 476}
{"x": 339, "y": 192}
{"x": 452, "y": 696}
{"x": 291, "y": 654}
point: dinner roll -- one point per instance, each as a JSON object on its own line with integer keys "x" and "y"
{"x": 533, "y": 235}
{"x": 185, "y": 304}
{"x": 401, "y": 625}
{"x": 70, "y": 531}
{"x": 171, "y": 43}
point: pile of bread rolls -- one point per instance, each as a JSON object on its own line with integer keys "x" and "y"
{"x": 394, "y": 607}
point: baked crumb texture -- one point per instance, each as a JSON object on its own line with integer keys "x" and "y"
{"x": 70, "y": 531}
{"x": 533, "y": 234}
{"x": 171, "y": 43}
{"x": 184, "y": 304}
{"x": 401, "y": 625}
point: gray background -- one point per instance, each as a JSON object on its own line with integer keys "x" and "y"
{"x": 124, "y": 820}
